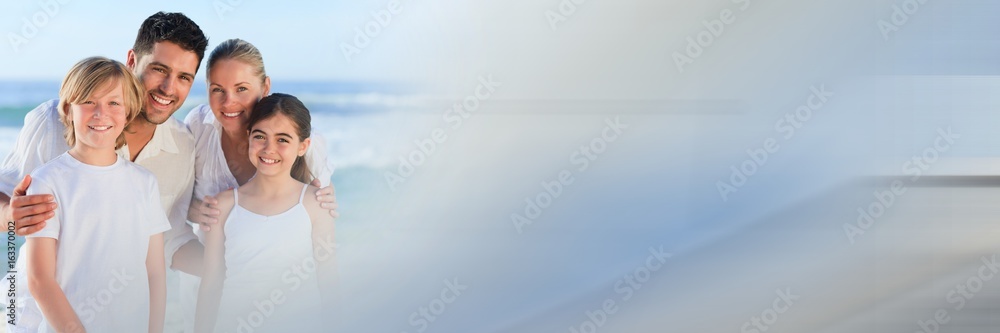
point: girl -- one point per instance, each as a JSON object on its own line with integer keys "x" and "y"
{"x": 98, "y": 264}
{"x": 236, "y": 80}
{"x": 261, "y": 272}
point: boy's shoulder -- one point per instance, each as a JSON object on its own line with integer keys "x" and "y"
{"x": 54, "y": 168}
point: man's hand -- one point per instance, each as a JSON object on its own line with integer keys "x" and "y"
{"x": 327, "y": 198}
{"x": 29, "y": 212}
{"x": 204, "y": 212}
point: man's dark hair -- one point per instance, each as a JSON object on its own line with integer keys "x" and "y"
{"x": 170, "y": 27}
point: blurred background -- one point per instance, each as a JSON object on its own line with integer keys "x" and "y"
{"x": 620, "y": 166}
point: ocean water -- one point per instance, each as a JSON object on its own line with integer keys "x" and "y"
{"x": 353, "y": 117}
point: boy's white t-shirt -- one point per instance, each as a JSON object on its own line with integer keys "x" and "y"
{"x": 105, "y": 218}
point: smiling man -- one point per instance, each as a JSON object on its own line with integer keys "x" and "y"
{"x": 166, "y": 55}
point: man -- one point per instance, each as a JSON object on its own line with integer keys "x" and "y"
{"x": 166, "y": 55}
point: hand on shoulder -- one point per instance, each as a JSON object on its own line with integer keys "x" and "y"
{"x": 314, "y": 206}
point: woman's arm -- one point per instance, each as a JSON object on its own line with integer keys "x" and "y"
{"x": 41, "y": 267}
{"x": 210, "y": 291}
{"x": 156, "y": 273}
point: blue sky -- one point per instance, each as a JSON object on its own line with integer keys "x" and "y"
{"x": 299, "y": 41}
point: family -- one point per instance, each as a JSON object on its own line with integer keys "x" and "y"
{"x": 110, "y": 191}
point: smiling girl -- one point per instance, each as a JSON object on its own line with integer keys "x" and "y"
{"x": 269, "y": 264}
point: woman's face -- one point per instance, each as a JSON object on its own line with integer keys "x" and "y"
{"x": 233, "y": 90}
{"x": 274, "y": 145}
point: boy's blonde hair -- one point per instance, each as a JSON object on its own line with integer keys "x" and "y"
{"x": 89, "y": 75}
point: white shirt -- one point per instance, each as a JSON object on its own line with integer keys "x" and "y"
{"x": 169, "y": 155}
{"x": 105, "y": 218}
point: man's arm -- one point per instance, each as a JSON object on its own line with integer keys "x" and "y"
{"x": 39, "y": 141}
{"x": 182, "y": 249}
{"x": 29, "y": 212}
{"x": 189, "y": 258}
{"x": 204, "y": 212}
{"x": 210, "y": 291}
{"x": 156, "y": 273}
{"x": 41, "y": 256}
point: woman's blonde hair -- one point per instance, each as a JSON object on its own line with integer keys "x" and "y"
{"x": 86, "y": 78}
{"x": 238, "y": 49}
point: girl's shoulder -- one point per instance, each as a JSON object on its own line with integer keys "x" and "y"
{"x": 309, "y": 197}
{"x": 311, "y": 203}
{"x": 227, "y": 200}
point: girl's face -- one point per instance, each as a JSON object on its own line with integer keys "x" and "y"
{"x": 100, "y": 118}
{"x": 233, "y": 90}
{"x": 274, "y": 145}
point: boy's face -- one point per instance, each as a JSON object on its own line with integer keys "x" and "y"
{"x": 167, "y": 74}
{"x": 100, "y": 118}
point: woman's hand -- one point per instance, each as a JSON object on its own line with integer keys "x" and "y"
{"x": 327, "y": 198}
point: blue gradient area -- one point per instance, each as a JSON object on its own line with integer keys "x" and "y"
{"x": 756, "y": 185}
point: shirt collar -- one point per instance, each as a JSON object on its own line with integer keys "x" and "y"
{"x": 162, "y": 140}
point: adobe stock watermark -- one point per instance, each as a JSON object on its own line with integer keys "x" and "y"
{"x": 11, "y": 274}
{"x": 38, "y": 20}
{"x": 787, "y": 126}
{"x": 581, "y": 157}
{"x": 293, "y": 278}
{"x": 562, "y": 12}
{"x": 222, "y": 7}
{"x": 97, "y": 303}
{"x": 960, "y": 295}
{"x": 454, "y": 117}
{"x": 901, "y": 14}
{"x": 426, "y": 315}
{"x": 713, "y": 30}
{"x": 784, "y": 301}
{"x": 625, "y": 288}
{"x": 884, "y": 199}
{"x": 364, "y": 34}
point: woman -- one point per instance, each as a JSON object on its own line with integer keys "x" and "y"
{"x": 236, "y": 81}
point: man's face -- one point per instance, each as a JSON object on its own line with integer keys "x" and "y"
{"x": 167, "y": 74}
